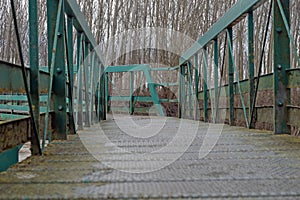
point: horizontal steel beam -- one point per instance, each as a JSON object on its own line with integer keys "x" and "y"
{"x": 11, "y": 79}
{"x": 126, "y": 68}
{"x": 231, "y": 17}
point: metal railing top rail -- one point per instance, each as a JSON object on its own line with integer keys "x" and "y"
{"x": 231, "y": 17}
{"x": 72, "y": 10}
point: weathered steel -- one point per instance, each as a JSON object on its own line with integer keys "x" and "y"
{"x": 34, "y": 69}
{"x": 190, "y": 93}
{"x": 181, "y": 92}
{"x": 196, "y": 105}
{"x": 70, "y": 56}
{"x": 56, "y": 22}
{"x": 281, "y": 64}
{"x": 230, "y": 45}
{"x": 81, "y": 25}
{"x": 9, "y": 158}
{"x": 86, "y": 68}
{"x": 230, "y": 79}
{"x": 79, "y": 81}
{"x": 232, "y": 16}
{"x": 251, "y": 65}
{"x": 216, "y": 79}
{"x": 131, "y": 109}
{"x": 205, "y": 88}
{"x": 36, "y": 149}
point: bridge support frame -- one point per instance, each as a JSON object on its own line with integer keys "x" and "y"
{"x": 59, "y": 78}
{"x": 281, "y": 65}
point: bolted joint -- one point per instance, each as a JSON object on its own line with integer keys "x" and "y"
{"x": 280, "y": 104}
{"x": 279, "y": 30}
{"x": 59, "y": 70}
{"x": 60, "y": 108}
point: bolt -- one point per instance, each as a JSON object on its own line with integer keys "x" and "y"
{"x": 279, "y": 29}
{"x": 59, "y": 34}
{"x": 280, "y": 104}
{"x": 60, "y": 108}
{"x": 279, "y": 67}
{"x": 59, "y": 71}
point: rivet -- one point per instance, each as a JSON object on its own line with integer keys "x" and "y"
{"x": 279, "y": 67}
{"x": 59, "y": 71}
{"x": 279, "y": 29}
{"x": 280, "y": 104}
{"x": 60, "y": 108}
{"x": 59, "y": 34}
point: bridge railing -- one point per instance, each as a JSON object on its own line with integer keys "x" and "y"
{"x": 202, "y": 72}
{"x": 50, "y": 104}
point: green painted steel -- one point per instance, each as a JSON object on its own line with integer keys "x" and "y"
{"x": 34, "y": 70}
{"x": 70, "y": 56}
{"x": 58, "y": 66}
{"x": 190, "y": 94}
{"x": 9, "y": 158}
{"x": 93, "y": 74}
{"x": 251, "y": 65}
{"x": 196, "y": 106}
{"x": 230, "y": 45}
{"x": 81, "y": 25}
{"x": 216, "y": 79}
{"x": 153, "y": 91}
{"x": 147, "y": 73}
{"x": 106, "y": 79}
{"x": 131, "y": 109}
{"x": 230, "y": 80}
{"x": 86, "y": 83}
{"x": 232, "y": 16}
{"x": 205, "y": 88}
{"x": 79, "y": 81}
{"x": 126, "y": 68}
{"x": 286, "y": 21}
{"x": 181, "y": 105}
{"x": 139, "y": 99}
{"x": 281, "y": 64}
{"x": 36, "y": 150}
{"x": 103, "y": 92}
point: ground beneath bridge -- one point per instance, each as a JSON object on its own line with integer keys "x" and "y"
{"x": 160, "y": 159}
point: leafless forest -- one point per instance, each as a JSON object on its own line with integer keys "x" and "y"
{"x": 148, "y": 31}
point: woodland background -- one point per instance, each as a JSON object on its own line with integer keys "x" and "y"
{"x": 110, "y": 18}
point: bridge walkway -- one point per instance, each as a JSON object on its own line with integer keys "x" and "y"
{"x": 244, "y": 163}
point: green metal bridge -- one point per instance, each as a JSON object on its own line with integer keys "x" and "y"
{"x": 217, "y": 149}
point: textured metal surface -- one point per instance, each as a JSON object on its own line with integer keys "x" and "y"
{"x": 244, "y": 164}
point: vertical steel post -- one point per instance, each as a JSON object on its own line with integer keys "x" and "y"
{"x": 196, "y": 86}
{"x": 182, "y": 93}
{"x": 34, "y": 71}
{"x": 216, "y": 79}
{"x": 91, "y": 86}
{"x": 71, "y": 72}
{"x": 106, "y": 80}
{"x": 281, "y": 64}
{"x": 251, "y": 64}
{"x": 190, "y": 85}
{"x": 205, "y": 92}
{"x": 79, "y": 80}
{"x": 59, "y": 79}
{"x": 86, "y": 83}
{"x": 103, "y": 88}
{"x": 131, "y": 94}
{"x": 230, "y": 80}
